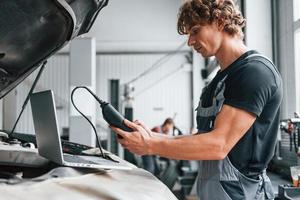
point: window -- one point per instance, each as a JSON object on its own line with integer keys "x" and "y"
{"x": 296, "y": 5}
{"x": 297, "y": 67}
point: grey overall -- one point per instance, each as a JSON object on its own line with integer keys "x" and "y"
{"x": 219, "y": 179}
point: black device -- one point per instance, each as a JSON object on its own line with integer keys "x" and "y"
{"x": 110, "y": 114}
{"x": 113, "y": 117}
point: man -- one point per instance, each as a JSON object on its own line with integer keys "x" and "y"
{"x": 238, "y": 112}
{"x": 149, "y": 161}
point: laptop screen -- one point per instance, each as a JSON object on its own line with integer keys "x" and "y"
{"x": 46, "y": 125}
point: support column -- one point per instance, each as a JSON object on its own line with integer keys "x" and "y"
{"x": 83, "y": 73}
{"x": 114, "y": 100}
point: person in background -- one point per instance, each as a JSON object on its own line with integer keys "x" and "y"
{"x": 149, "y": 161}
{"x": 165, "y": 128}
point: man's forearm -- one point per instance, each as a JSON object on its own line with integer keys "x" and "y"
{"x": 161, "y": 135}
{"x": 192, "y": 147}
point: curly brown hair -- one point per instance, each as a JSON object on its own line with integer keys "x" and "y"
{"x": 203, "y": 12}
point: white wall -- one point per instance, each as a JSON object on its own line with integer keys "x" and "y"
{"x": 286, "y": 58}
{"x": 297, "y": 69}
{"x": 54, "y": 77}
{"x": 137, "y": 21}
{"x": 137, "y": 25}
{"x": 144, "y": 27}
{"x": 158, "y": 95}
{"x": 259, "y": 26}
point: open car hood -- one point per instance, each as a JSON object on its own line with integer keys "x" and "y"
{"x": 32, "y": 30}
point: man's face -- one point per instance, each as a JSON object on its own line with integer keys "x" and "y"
{"x": 205, "y": 39}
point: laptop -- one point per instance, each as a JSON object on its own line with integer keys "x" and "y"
{"x": 48, "y": 137}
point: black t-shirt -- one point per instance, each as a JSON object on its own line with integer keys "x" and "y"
{"x": 252, "y": 84}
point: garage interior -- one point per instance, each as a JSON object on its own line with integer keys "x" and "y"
{"x": 133, "y": 58}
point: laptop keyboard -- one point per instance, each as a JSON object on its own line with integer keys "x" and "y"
{"x": 77, "y": 159}
{"x": 88, "y": 160}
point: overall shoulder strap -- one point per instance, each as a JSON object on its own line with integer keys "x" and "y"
{"x": 263, "y": 59}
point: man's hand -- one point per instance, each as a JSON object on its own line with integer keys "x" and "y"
{"x": 136, "y": 141}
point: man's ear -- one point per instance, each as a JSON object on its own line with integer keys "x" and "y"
{"x": 220, "y": 24}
